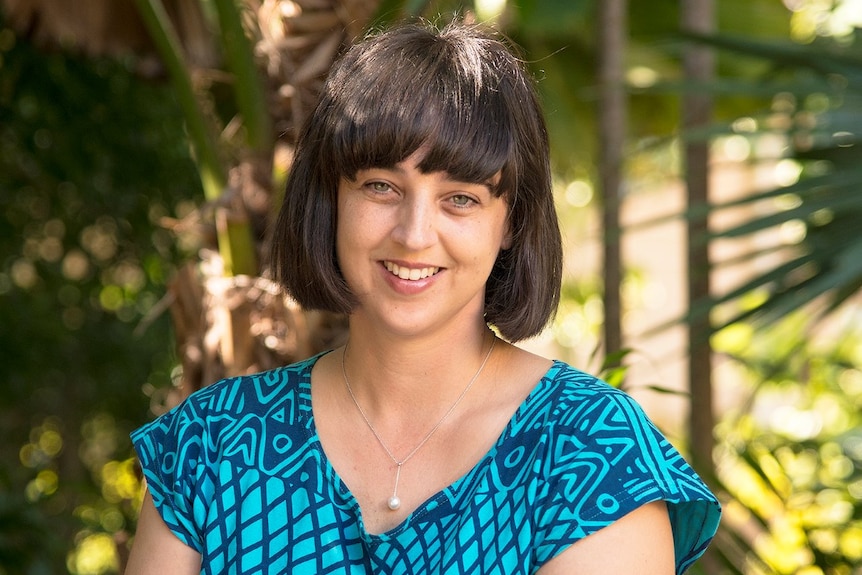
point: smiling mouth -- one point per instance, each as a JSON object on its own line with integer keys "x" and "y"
{"x": 412, "y": 274}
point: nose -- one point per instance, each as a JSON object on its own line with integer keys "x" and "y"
{"x": 415, "y": 228}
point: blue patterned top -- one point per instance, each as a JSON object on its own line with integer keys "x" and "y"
{"x": 237, "y": 473}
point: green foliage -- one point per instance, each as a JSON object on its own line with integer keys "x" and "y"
{"x": 792, "y": 459}
{"x": 235, "y": 246}
{"x": 91, "y": 160}
{"x": 390, "y": 11}
{"x": 556, "y": 18}
{"x": 816, "y": 110}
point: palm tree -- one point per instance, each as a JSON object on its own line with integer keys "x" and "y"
{"x": 817, "y": 109}
{"x": 816, "y": 273}
{"x": 272, "y": 54}
{"x": 228, "y": 317}
{"x": 246, "y": 76}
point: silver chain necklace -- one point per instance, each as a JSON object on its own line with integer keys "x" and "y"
{"x": 394, "y": 502}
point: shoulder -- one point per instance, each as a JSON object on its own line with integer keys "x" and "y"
{"x": 586, "y": 439}
{"x": 234, "y": 399}
{"x": 603, "y": 459}
{"x": 589, "y": 420}
{"x": 578, "y": 402}
{"x": 573, "y": 409}
{"x": 252, "y": 392}
{"x": 245, "y": 419}
{"x": 602, "y": 450}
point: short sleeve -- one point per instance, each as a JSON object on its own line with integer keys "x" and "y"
{"x": 606, "y": 459}
{"x": 170, "y": 450}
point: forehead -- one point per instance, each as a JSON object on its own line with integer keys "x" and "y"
{"x": 384, "y": 108}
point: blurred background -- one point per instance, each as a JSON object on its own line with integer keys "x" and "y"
{"x": 708, "y": 176}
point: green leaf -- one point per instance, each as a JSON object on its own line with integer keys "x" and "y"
{"x": 247, "y": 84}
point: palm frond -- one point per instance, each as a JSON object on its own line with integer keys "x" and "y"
{"x": 825, "y": 266}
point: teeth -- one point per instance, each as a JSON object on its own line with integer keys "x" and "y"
{"x": 412, "y": 274}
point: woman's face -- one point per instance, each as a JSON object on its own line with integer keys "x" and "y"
{"x": 417, "y": 249}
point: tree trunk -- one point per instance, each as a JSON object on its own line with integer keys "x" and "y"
{"x": 698, "y": 16}
{"x": 108, "y": 27}
{"x": 697, "y": 113}
{"x": 229, "y": 319}
{"x": 612, "y": 135}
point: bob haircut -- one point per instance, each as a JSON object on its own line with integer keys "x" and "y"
{"x": 459, "y": 93}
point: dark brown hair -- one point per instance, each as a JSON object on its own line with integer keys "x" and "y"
{"x": 460, "y": 93}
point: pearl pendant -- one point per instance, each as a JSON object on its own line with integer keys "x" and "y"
{"x": 394, "y": 503}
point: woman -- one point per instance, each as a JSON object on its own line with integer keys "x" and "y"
{"x": 419, "y": 203}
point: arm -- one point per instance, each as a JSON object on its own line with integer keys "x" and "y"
{"x": 156, "y": 550}
{"x": 640, "y": 542}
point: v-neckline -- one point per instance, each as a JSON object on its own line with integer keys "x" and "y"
{"x": 430, "y": 504}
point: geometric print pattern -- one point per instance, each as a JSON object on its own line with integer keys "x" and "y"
{"x": 237, "y": 473}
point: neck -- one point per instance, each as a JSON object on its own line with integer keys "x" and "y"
{"x": 395, "y": 375}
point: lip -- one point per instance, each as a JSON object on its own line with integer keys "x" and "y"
{"x": 411, "y": 272}
{"x": 423, "y": 275}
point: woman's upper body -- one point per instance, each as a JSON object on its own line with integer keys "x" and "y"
{"x": 243, "y": 476}
{"x": 419, "y": 204}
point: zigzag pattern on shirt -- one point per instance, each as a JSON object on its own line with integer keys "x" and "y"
{"x": 237, "y": 472}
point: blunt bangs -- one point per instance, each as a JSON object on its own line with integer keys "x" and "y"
{"x": 463, "y": 100}
{"x": 395, "y": 100}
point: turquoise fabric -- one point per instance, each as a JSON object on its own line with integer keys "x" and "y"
{"x": 237, "y": 472}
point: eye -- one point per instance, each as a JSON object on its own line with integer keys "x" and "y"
{"x": 379, "y": 187}
{"x": 462, "y": 201}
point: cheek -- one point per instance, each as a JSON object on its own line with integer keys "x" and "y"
{"x": 354, "y": 232}
{"x": 343, "y": 238}
{"x": 344, "y": 241}
{"x": 349, "y": 227}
